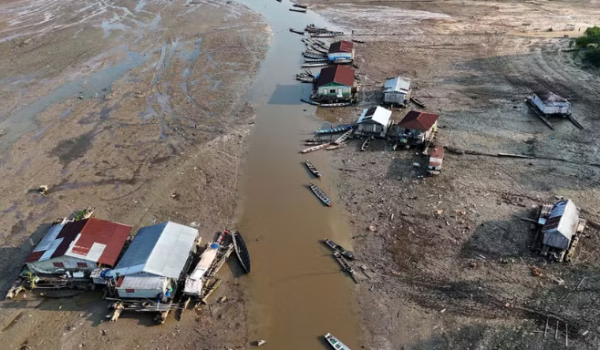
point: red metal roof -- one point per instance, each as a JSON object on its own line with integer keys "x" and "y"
{"x": 341, "y": 46}
{"x": 79, "y": 237}
{"x": 415, "y": 120}
{"x": 336, "y": 74}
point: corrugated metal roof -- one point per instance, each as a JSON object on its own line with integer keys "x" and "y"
{"x": 397, "y": 84}
{"x": 142, "y": 281}
{"x": 377, "y": 114}
{"x": 336, "y": 74}
{"x": 91, "y": 239}
{"x": 561, "y": 224}
{"x": 341, "y": 46}
{"x": 161, "y": 250}
{"x": 416, "y": 120}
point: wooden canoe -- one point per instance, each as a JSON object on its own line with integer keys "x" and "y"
{"x": 301, "y": 32}
{"x": 336, "y": 130}
{"x": 241, "y": 251}
{"x": 335, "y": 342}
{"x": 312, "y": 169}
{"x": 298, "y": 10}
{"x": 345, "y": 265}
{"x": 300, "y": 6}
{"x": 365, "y": 144}
{"x": 338, "y": 248}
{"x": 320, "y": 194}
{"x": 417, "y": 102}
{"x": 314, "y": 148}
{"x": 359, "y": 41}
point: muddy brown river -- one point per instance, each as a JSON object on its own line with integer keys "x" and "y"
{"x": 297, "y": 292}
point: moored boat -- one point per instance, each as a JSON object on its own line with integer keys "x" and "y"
{"x": 417, "y": 102}
{"x": 300, "y": 6}
{"x": 295, "y": 9}
{"x": 338, "y": 248}
{"x": 320, "y": 194}
{"x": 312, "y": 65}
{"x": 335, "y": 342}
{"x": 315, "y": 148}
{"x": 336, "y": 130}
{"x": 301, "y": 32}
{"x": 241, "y": 251}
{"x": 359, "y": 41}
{"x": 312, "y": 169}
{"x": 365, "y": 144}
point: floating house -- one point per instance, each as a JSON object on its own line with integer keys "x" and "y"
{"x": 334, "y": 84}
{"x": 396, "y": 91}
{"x": 76, "y": 248}
{"x": 157, "y": 258}
{"x": 373, "y": 122}
{"x": 415, "y": 128}
{"x": 436, "y": 157}
{"x": 551, "y": 104}
{"x": 341, "y": 51}
{"x": 559, "y": 228}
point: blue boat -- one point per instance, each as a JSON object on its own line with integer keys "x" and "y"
{"x": 336, "y": 130}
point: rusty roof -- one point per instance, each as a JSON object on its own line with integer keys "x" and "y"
{"x": 92, "y": 239}
{"x": 336, "y": 74}
{"x": 416, "y": 120}
{"x": 341, "y": 46}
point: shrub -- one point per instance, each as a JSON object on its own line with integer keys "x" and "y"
{"x": 593, "y": 56}
{"x": 592, "y": 36}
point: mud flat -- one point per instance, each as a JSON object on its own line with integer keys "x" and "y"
{"x": 474, "y": 63}
{"x": 119, "y": 105}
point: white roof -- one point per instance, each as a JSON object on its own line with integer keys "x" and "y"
{"x": 161, "y": 250}
{"x": 397, "y": 84}
{"x": 143, "y": 281}
{"x": 377, "y": 114}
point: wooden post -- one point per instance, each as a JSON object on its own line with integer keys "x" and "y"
{"x": 556, "y": 332}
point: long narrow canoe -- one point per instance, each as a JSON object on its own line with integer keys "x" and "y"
{"x": 335, "y": 342}
{"x": 312, "y": 169}
{"x": 320, "y": 194}
{"x": 314, "y": 148}
{"x": 336, "y": 130}
{"x": 295, "y": 9}
{"x": 241, "y": 251}
{"x": 338, "y": 248}
{"x": 365, "y": 144}
{"x": 301, "y": 32}
{"x": 300, "y": 6}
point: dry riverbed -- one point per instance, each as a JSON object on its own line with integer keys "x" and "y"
{"x": 450, "y": 263}
{"x": 119, "y": 105}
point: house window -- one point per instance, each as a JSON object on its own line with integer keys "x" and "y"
{"x": 58, "y": 264}
{"x": 80, "y": 264}
{"x": 332, "y": 91}
{"x": 130, "y": 290}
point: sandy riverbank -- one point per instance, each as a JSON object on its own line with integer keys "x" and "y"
{"x": 118, "y": 105}
{"x": 473, "y": 63}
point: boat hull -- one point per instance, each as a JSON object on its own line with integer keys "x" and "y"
{"x": 241, "y": 251}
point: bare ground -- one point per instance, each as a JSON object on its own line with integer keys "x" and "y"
{"x": 118, "y": 105}
{"x": 450, "y": 261}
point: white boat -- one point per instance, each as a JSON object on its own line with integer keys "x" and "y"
{"x": 335, "y": 342}
{"x": 194, "y": 282}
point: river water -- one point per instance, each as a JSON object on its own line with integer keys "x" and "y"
{"x": 297, "y": 292}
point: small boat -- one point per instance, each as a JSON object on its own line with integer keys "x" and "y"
{"x": 313, "y": 55}
{"x": 365, "y": 144}
{"x": 314, "y": 143}
{"x": 310, "y": 102}
{"x": 312, "y": 169}
{"x": 344, "y": 137}
{"x": 260, "y": 342}
{"x": 315, "y": 60}
{"x": 333, "y": 147}
{"x": 343, "y": 60}
{"x": 339, "y": 104}
{"x": 314, "y": 148}
{"x": 305, "y": 79}
{"x": 301, "y": 32}
{"x": 336, "y": 130}
{"x": 338, "y": 248}
{"x": 300, "y": 6}
{"x": 345, "y": 265}
{"x": 359, "y": 41}
{"x": 335, "y": 343}
{"x": 298, "y": 10}
{"x": 417, "y": 102}
{"x": 241, "y": 251}
{"x": 320, "y": 194}
{"x": 318, "y": 48}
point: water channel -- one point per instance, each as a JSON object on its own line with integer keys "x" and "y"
{"x": 297, "y": 292}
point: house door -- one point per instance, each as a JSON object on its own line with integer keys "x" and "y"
{"x": 339, "y": 93}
